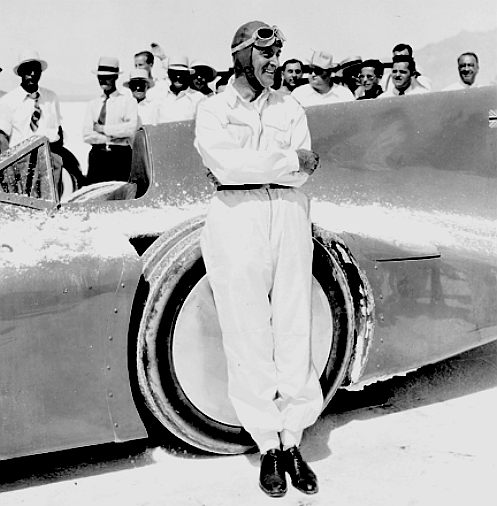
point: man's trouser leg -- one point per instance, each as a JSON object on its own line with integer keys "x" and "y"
{"x": 300, "y": 398}
{"x": 240, "y": 259}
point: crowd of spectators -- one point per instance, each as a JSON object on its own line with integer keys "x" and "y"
{"x": 113, "y": 117}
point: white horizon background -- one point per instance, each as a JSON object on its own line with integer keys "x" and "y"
{"x": 71, "y": 34}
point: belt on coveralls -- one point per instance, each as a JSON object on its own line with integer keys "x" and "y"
{"x": 272, "y": 186}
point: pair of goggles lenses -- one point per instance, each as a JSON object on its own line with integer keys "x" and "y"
{"x": 264, "y": 36}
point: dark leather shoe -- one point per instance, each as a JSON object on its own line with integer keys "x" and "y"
{"x": 272, "y": 478}
{"x": 302, "y": 476}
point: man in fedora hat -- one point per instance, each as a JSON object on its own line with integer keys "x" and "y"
{"x": 30, "y": 109}
{"x": 348, "y": 72}
{"x": 180, "y": 102}
{"x": 203, "y": 74}
{"x": 321, "y": 89}
{"x": 110, "y": 124}
{"x": 139, "y": 85}
{"x": 257, "y": 248}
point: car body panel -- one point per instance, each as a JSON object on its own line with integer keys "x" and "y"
{"x": 64, "y": 318}
{"x": 408, "y": 184}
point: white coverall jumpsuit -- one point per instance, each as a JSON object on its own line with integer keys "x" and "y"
{"x": 257, "y": 248}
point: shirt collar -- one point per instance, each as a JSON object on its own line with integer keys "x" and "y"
{"x": 25, "y": 95}
{"x": 113, "y": 94}
{"x": 233, "y": 96}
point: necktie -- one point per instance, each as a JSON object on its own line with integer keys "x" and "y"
{"x": 103, "y": 112}
{"x": 35, "y": 117}
{"x": 402, "y": 92}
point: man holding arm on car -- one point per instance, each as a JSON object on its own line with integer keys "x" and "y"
{"x": 257, "y": 248}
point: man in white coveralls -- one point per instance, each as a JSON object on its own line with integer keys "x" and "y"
{"x": 257, "y": 247}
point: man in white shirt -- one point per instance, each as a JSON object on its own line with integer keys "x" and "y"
{"x": 139, "y": 85}
{"x": 468, "y": 67}
{"x": 180, "y": 101}
{"x": 291, "y": 75}
{"x": 420, "y": 80}
{"x": 403, "y": 78}
{"x": 321, "y": 88}
{"x": 29, "y": 109}
{"x": 110, "y": 124}
{"x": 144, "y": 60}
{"x": 202, "y": 76}
{"x": 257, "y": 248}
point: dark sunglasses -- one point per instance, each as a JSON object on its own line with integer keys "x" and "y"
{"x": 178, "y": 76}
{"x": 138, "y": 86}
{"x": 316, "y": 70}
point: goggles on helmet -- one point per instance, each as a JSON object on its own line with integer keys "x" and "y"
{"x": 264, "y": 36}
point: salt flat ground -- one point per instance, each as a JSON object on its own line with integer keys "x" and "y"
{"x": 425, "y": 439}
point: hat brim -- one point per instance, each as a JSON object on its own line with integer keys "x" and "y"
{"x": 106, "y": 73}
{"x": 210, "y": 71}
{"x": 126, "y": 84}
{"x": 180, "y": 68}
{"x": 351, "y": 65}
{"x": 43, "y": 64}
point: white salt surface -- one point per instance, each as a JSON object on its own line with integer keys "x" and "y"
{"x": 35, "y": 237}
{"x": 405, "y": 227}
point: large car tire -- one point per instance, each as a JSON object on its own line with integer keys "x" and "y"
{"x": 181, "y": 368}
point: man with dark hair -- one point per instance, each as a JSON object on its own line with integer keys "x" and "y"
{"x": 291, "y": 75}
{"x": 468, "y": 67}
{"x": 406, "y": 50}
{"x": 157, "y": 87}
{"x": 370, "y": 75}
{"x": 402, "y": 49}
{"x": 257, "y": 249}
{"x": 404, "y": 82}
{"x": 321, "y": 88}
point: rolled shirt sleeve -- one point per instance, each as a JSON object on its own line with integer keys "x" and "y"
{"x": 128, "y": 122}
{"x": 121, "y": 120}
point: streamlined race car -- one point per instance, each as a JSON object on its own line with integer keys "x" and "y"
{"x": 107, "y": 322}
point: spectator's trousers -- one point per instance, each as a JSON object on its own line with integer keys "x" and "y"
{"x": 257, "y": 248}
{"x": 108, "y": 163}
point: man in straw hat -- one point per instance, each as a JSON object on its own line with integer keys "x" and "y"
{"x": 203, "y": 74}
{"x": 321, "y": 88}
{"x": 110, "y": 124}
{"x": 257, "y": 248}
{"x": 139, "y": 84}
{"x": 180, "y": 102}
{"x": 348, "y": 73}
{"x": 30, "y": 110}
